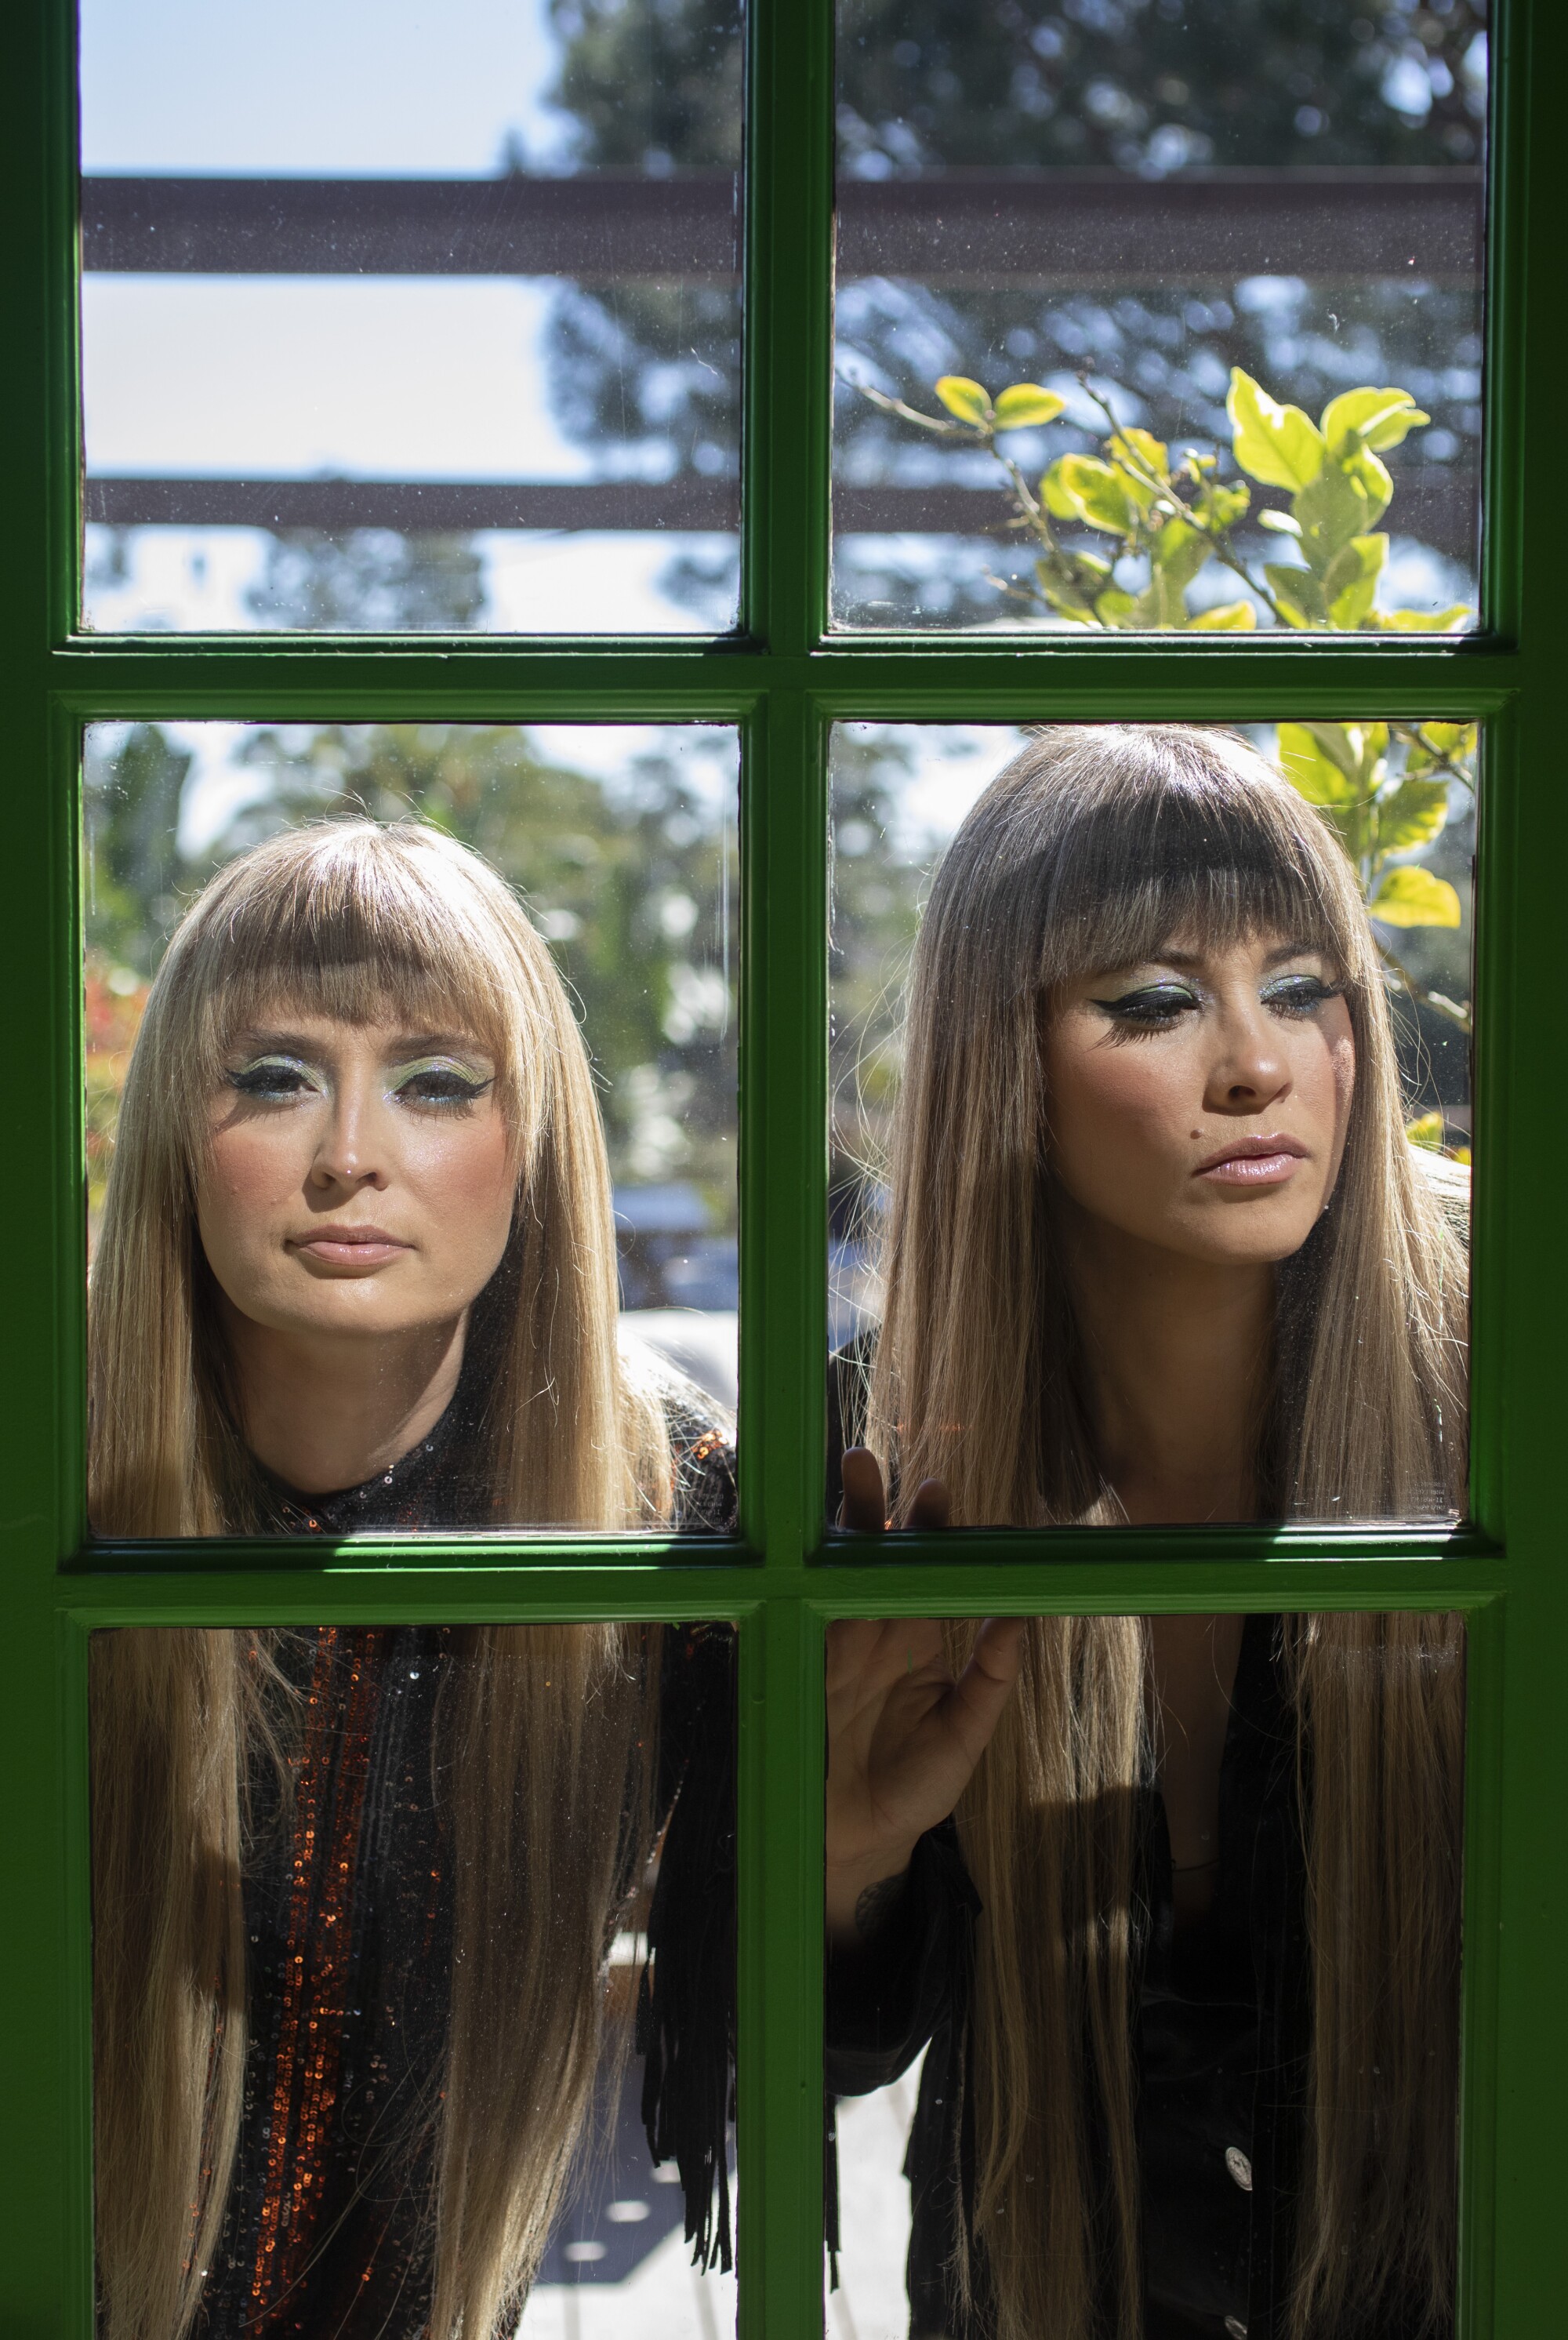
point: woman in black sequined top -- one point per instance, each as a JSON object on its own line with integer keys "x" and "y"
{"x": 355, "y": 1889}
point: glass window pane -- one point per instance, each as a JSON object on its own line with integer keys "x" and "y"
{"x": 1151, "y": 1120}
{"x": 1174, "y": 218}
{"x": 410, "y": 1060}
{"x": 396, "y": 318}
{"x": 377, "y": 1910}
{"x": 1148, "y": 2018}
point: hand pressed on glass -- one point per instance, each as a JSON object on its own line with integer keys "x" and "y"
{"x": 904, "y": 1734}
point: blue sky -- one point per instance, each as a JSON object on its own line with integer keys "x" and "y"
{"x": 330, "y": 86}
{"x": 393, "y": 378}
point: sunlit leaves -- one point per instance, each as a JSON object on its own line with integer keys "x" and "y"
{"x": 1377, "y": 418}
{"x": 1323, "y": 762}
{"x": 1021, "y": 406}
{"x": 1082, "y": 488}
{"x": 1171, "y": 518}
{"x": 1444, "y": 744}
{"x": 1024, "y": 405}
{"x": 1423, "y": 621}
{"x": 1352, "y": 581}
{"x": 1276, "y": 444}
{"x": 1226, "y": 618}
{"x": 966, "y": 401}
{"x": 1412, "y": 814}
{"x": 1410, "y": 895}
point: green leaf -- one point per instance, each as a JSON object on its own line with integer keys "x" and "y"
{"x": 1423, "y": 621}
{"x": 1352, "y": 581}
{"x": 1426, "y": 1131}
{"x": 1023, "y": 405}
{"x": 1149, "y": 449}
{"x": 1283, "y": 523}
{"x": 1346, "y": 500}
{"x": 1378, "y": 417}
{"x": 1449, "y": 739}
{"x": 1412, "y": 814}
{"x": 1455, "y": 742}
{"x": 968, "y": 399}
{"x": 1221, "y": 507}
{"x": 1117, "y": 607}
{"x": 1413, "y": 897}
{"x": 1178, "y": 553}
{"x": 1058, "y": 590}
{"x": 1307, "y": 764}
{"x": 1299, "y": 594}
{"x": 1136, "y": 454}
{"x": 1357, "y": 749}
{"x": 1230, "y": 617}
{"x": 1276, "y": 444}
{"x": 1082, "y": 488}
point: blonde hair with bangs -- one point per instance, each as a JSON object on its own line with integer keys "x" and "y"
{"x": 549, "y": 1728}
{"x": 1095, "y": 848}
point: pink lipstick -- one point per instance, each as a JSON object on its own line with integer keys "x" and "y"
{"x": 1263, "y": 1161}
{"x": 360, "y": 1247}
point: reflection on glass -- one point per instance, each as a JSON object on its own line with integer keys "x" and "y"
{"x": 1151, "y": 1137}
{"x": 372, "y": 1909}
{"x": 1161, "y": 2001}
{"x": 357, "y": 1254}
{"x": 1123, "y": 204}
{"x": 403, "y": 321}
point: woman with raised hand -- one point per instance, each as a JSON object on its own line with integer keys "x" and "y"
{"x": 1160, "y": 1253}
{"x": 355, "y": 1889}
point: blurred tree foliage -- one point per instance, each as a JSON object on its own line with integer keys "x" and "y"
{"x": 1145, "y": 86}
{"x": 1152, "y": 86}
{"x": 632, "y": 883}
{"x": 373, "y": 580}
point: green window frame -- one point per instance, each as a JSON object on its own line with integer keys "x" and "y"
{"x": 783, "y": 680}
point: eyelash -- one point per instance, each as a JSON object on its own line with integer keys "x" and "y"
{"x": 270, "y": 1079}
{"x": 464, "y": 1091}
{"x": 1158, "y": 1007}
{"x": 275, "y": 1080}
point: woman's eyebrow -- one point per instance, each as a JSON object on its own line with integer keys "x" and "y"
{"x": 1293, "y": 951}
{"x": 433, "y": 1043}
{"x": 254, "y": 1041}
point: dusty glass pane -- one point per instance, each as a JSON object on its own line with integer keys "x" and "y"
{"x": 1125, "y": 203}
{"x": 1143, "y": 1985}
{"x": 410, "y": 320}
{"x": 376, "y": 1913}
{"x": 1151, "y": 1119}
{"x": 410, "y": 1058}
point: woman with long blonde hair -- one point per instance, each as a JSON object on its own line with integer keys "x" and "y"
{"x": 1158, "y": 1252}
{"x": 355, "y": 1889}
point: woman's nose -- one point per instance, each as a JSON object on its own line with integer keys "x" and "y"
{"x": 1248, "y": 1071}
{"x": 351, "y": 1152}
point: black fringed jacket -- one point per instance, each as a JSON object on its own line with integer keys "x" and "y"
{"x": 349, "y": 1914}
{"x": 1222, "y": 2032}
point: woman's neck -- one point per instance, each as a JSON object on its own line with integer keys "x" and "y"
{"x": 325, "y": 1414}
{"x": 1177, "y": 1354}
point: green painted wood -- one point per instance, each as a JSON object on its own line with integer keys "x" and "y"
{"x": 951, "y": 680}
{"x": 783, "y": 1579}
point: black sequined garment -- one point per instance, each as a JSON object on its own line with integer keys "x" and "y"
{"x": 348, "y": 1907}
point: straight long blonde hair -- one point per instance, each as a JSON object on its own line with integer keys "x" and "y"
{"x": 550, "y": 1729}
{"x": 1094, "y": 849}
